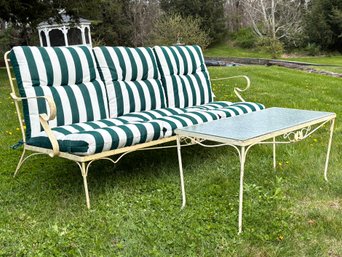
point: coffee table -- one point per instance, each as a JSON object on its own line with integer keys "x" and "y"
{"x": 262, "y": 127}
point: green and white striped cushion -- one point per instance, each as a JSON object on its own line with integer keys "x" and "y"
{"x": 133, "y": 128}
{"x": 238, "y": 109}
{"x": 171, "y": 123}
{"x": 193, "y": 117}
{"x": 95, "y": 137}
{"x": 209, "y": 106}
{"x": 184, "y": 75}
{"x": 132, "y": 79}
{"x": 69, "y": 75}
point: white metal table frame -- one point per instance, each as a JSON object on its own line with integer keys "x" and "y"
{"x": 290, "y": 135}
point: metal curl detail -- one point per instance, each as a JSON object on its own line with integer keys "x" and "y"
{"x": 298, "y": 135}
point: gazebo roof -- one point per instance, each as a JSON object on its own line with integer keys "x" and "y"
{"x": 65, "y": 20}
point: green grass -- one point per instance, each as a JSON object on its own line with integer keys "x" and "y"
{"x": 136, "y": 204}
{"x": 227, "y": 50}
{"x": 335, "y": 60}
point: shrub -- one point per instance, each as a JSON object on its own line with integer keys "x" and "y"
{"x": 271, "y": 46}
{"x": 245, "y": 38}
{"x": 169, "y": 29}
{"x": 312, "y": 49}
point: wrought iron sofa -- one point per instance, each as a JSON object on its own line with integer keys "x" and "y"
{"x": 87, "y": 104}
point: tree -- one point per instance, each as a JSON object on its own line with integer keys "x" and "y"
{"x": 24, "y": 16}
{"x": 172, "y": 28}
{"x": 143, "y": 15}
{"x": 112, "y": 24}
{"x": 277, "y": 19}
{"x": 210, "y": 13}
{"x": 324, "y": 24}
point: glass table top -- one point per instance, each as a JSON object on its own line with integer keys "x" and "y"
{"x": 256, "y": 124}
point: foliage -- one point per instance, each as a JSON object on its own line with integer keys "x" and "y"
{"x": 30, "y": 13}
{"x": 113, "y": 26}
{"x": 5, "y": 42}
{"x": 210, "y": 13}
{"x": 324, "y": 24}
{"x": 271, "y": 46}
{"x": 136, "y": 204}
{"x": 312, "y": 49}
{"x": 245, "y": 38}
{"x": 171, "y": 28}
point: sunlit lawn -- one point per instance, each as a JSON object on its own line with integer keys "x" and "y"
{"x": 136, "y": 204}
{"x": 331, "y": 63}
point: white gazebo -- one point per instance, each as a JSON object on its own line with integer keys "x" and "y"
{"x": 65, "y": 33}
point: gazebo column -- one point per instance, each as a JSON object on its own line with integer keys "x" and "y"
{"x": 65, "y": 33}
{"x": 47, "y": 35}
{"x": 83, "y": 35}
{"x": 40, "y": 37}
{"x": 89, "y": 36}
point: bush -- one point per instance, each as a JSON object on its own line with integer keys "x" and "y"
{"x": 245, "y": 38}
{"x": 271, "y": 46}
{"x": 170, "y": 29}
{"x": 312, "y": 49}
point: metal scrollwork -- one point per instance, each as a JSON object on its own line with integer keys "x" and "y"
{"x": 298, "y": 135}
{"x": 191, "y": 140}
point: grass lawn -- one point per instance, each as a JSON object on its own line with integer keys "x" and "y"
{"x": 226, "y": 50}
{"x": 136, "y": 204}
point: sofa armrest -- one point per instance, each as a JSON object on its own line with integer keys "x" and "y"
{"x": 44, "y": 118}
{"x": 237, "y": 90}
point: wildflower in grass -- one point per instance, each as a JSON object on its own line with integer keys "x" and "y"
{"x": 9, "y": 132}
{"x": 280, "y": 238}
{"x": 280, "y": 164}
{"x": 17, "y": 129}
{"x": 315, "y": 140}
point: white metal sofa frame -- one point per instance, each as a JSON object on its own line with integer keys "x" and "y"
{"x": 83, "y": 162}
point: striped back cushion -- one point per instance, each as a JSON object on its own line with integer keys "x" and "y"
{"x": 132, "y": 79}
{"x": 184, "y": 75}
{"x": 69, "y": 75}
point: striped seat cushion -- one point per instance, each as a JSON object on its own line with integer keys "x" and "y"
{"x": 155, "y": 114}
{"x": 193, "y": 117}
{"x": 184, "y": 75}
{"x": 132, "y": 79}
{"x": 236, "y": 109}
{"x": 224, "y": 108}
{"x": 164, "y": 112}
{"x": 96, "y": 136}
{"x": 209, "y": 106}
{"x": 69, "y": 75}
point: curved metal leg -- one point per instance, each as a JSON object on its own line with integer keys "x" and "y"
{"x": 242, "y": 156}
{"x": 329, "y": 148}
{"x": 20, "y": 163}
{"x": 84, "y": 171}
{"x": 181, "y": 172}
{"x": 22, "y": 160}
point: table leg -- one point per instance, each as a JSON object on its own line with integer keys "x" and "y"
{"x": 329, "y": 147}
{"x": 242, "y": 156}
{"x": 274, "y": 154}
{"x": 181, "y": 171}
